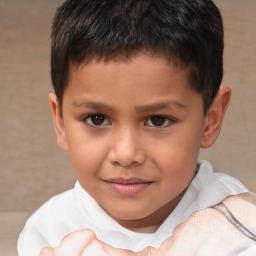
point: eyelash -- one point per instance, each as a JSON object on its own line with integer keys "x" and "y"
{"x": 104, "y": 121}
{"x": 89, "y": 117}
{"x": 160, "y": 118}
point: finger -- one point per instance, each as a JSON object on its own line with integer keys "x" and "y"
{"x": 95, "y": 248}
{"x": 111, "y": 251}
{"x": 75, "y": 243}
{"x": 47, "y": 251}
{"x": 151, "y": 251}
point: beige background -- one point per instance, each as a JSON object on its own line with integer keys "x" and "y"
{"x": 32, "y": 166}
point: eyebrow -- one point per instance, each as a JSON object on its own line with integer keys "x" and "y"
{"x": 93, "y": 105}
{"x": 169, "y": 105}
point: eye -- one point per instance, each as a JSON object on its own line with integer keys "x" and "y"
{"x": 96, "y": 120}
{"x": 159, "y": 121}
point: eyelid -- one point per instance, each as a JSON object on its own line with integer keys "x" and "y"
{"x": 105, "y": 123}
{"x": 169, "y": 119}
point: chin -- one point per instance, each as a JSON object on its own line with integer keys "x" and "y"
{"x": 131, "y": 215}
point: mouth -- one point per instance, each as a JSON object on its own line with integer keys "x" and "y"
{"x": 128, "y": 187}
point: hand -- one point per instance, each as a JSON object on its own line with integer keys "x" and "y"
{"x": 85, "y": 243}
{"x": 208, "y": 232}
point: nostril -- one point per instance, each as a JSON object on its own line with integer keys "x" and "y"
{"x": 125, "y": 164}
{"x": 128, "y": 162}
{"x": 115, "y": 163}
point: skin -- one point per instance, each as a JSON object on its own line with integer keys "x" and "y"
{"x": 133, "y": 131}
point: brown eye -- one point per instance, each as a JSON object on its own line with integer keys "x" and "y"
{"x": 159, "y": 121}
{"x": 97, "y": 120}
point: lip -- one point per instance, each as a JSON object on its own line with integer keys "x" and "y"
{"x": 128, "y": 187}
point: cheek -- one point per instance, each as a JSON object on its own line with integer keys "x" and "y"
{"x": 188, "y": 142}
{"x": 86, "y": 156}
{"x": 177, "y": 157}
{"x": 178, "y": 149}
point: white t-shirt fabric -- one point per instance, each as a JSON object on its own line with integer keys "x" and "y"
{"x": 76, "y": 209}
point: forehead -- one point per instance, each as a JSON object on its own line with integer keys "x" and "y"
{"x": 147, "y": 79}
{"x": 136, "y": 69}
{"x": 139, "y": 87}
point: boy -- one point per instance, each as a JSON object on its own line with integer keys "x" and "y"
{"x": 136, "y": 96}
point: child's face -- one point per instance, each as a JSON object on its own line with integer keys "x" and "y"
{"x": 133, "y": 131}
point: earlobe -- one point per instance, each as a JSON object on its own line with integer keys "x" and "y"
{"x": 215, "y": 116}
{"x": 58, "y": 122}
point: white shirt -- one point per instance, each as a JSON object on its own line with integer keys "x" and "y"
{"x": 76, "y": 209}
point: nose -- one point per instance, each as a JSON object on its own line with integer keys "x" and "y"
{"x": 126, "y": 149}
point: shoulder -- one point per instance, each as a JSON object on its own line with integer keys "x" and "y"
{"x": 39, "y": 228}
{"x": 54, "y": 205}
{"x": 217, "y": 181}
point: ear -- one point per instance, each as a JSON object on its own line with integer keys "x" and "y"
{"x": 215, "y": 116}
{"x": 58, "y": 122}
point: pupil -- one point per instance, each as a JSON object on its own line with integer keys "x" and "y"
{"x": 98, "y": 119}
{"x": 157, "y": 120}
